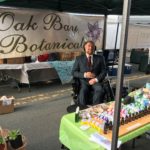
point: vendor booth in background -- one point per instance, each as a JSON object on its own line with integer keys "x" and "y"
{"x": 62, "y": 56}
{"x": 141, "y": 57}
{"x": 136, "y": 55}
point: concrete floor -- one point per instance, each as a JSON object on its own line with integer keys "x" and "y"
{"x": 38, "y": 112}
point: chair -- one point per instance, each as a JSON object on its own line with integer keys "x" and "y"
{"x": 76, "y": 89}
{"x": 75, "y": 93}
{"x": 108, "y": 94}
{"x": 111, "y": 56}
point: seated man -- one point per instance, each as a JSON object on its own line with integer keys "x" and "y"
{"x": 90, "y": 69}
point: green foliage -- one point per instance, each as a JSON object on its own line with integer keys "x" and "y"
{"x": 2, "y": 140}
{"x": 13, "y": 134}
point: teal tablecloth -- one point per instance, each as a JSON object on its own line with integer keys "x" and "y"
{"x": 63, "y": 69}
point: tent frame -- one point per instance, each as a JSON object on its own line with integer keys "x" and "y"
{"x": 120, "y": 73}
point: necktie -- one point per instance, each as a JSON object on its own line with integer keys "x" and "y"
{"x": 89, "y": 61}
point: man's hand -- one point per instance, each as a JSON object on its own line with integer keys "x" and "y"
{"x": 89, "y": 75}
{"x": 92, "y": 81}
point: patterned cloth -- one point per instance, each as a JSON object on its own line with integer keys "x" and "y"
{"x": 63, "y": 69}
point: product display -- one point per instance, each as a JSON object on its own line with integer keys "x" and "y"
{"x": 133, "y": 107}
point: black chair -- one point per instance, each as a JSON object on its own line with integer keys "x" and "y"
{"x": 75, "y": 92}
{"x": 108, "y": 94}
{"x": 111, "y": 56}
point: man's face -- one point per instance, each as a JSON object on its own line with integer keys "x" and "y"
{"x": 89, "y": 48}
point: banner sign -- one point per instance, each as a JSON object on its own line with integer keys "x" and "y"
{"x": 26, "y": 32}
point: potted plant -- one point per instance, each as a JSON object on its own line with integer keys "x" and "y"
{"x": 2, "y": 143}
{"x": 15, "y": 138}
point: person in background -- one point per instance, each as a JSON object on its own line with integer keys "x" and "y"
{"x": 90, "y": 69}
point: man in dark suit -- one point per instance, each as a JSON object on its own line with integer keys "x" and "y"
{"x": 90, "y": 69}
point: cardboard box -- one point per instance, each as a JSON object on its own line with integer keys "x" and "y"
{"x": 1, "y": 61}
{"x": 4, "y": 109}
{"x": 19, "y": 60}
{"x": 64, "y": 56}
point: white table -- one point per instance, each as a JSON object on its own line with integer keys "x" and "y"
{"x": 40, "y": 71}
{"x": 12, "y": 70}
{"x": 29, "y": 72}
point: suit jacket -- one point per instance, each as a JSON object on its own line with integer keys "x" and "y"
{"x": 98, "y": 67}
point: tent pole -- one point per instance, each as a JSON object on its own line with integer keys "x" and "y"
{"x": 104, "y": 33}
{"x": 116, "y": 35}
{"x": 120, "y": 74}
